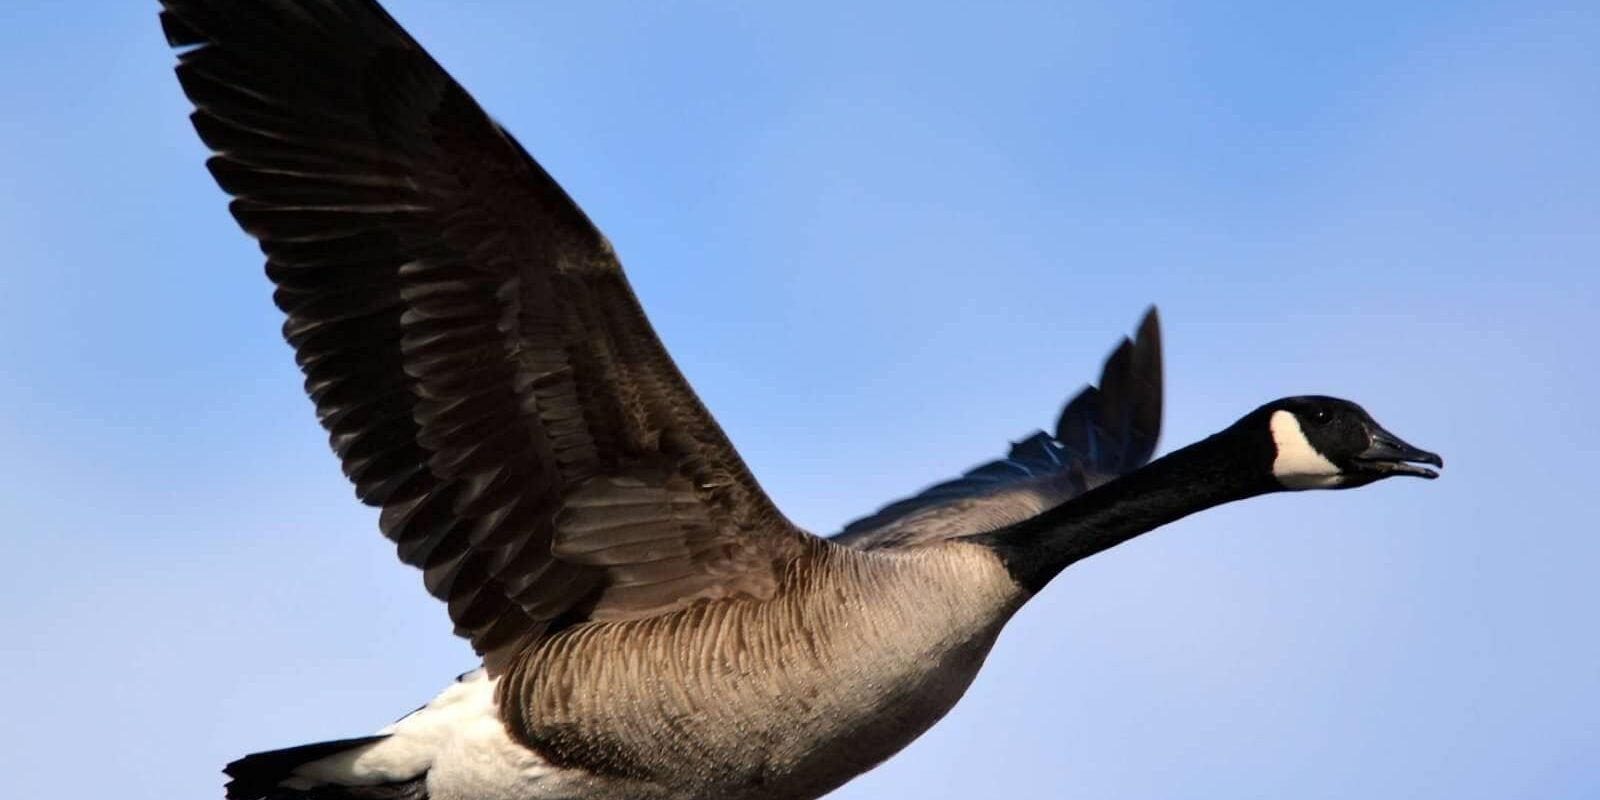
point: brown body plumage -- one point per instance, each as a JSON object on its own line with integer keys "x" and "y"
{"x": 855, "y": 656}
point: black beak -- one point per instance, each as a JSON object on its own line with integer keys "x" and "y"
{"x": 1388, "y": 454}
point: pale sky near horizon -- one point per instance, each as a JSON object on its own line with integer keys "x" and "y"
{"x": 882, "y": 239}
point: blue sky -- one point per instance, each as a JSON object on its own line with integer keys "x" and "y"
{"x": 882, "y": 239}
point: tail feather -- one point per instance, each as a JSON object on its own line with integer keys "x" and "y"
{"x": 391, "y": 765}
{"x": 263, "y": 776}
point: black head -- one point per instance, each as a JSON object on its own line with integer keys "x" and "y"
{"x": 1327, "y": 443}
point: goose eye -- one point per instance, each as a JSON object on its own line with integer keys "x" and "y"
{"x": 1321, "y": 416}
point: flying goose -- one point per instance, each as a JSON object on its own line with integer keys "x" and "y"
{"x": 650, "y": 624}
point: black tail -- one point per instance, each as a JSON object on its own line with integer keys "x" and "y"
{"x": 259, "y": 776}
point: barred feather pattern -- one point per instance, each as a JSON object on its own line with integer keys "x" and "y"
{"x": 857, "y": 655}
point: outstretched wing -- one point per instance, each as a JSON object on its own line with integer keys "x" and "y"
{"x": 1104, "y": 432}
{"x": 483, "y": 369}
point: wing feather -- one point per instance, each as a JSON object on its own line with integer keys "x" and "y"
{"x": 1102, "y": 432}
{"x": 485, "y": 373}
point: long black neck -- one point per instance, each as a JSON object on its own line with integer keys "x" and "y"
{"x": 1220, "y": 469}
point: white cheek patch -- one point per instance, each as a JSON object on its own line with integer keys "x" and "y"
{"x": 1298, "y": 464}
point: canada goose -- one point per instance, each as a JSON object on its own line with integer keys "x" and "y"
{"x": 651, "y": 625}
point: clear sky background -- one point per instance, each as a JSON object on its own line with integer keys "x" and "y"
{"x": 882, "y": 239}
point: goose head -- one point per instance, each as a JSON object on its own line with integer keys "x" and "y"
{"x": 1327, "y": 443}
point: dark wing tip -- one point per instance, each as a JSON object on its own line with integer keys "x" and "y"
{"x": 178, "y": 32}
{"x": 1113, "y": 427}
{"x": 1103, "y": 431}
{"x": 1150, "y": 323}
{"x": 1148, "y": 381}
{"x": 1147, "y": 350}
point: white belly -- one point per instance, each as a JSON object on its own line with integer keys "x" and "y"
{"x": 458, "y": 742}
{"x": 477, "y": 760}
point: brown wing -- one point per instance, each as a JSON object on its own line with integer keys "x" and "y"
{"x": 1103, "y": 432}
{"x": 483, "y": 369}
